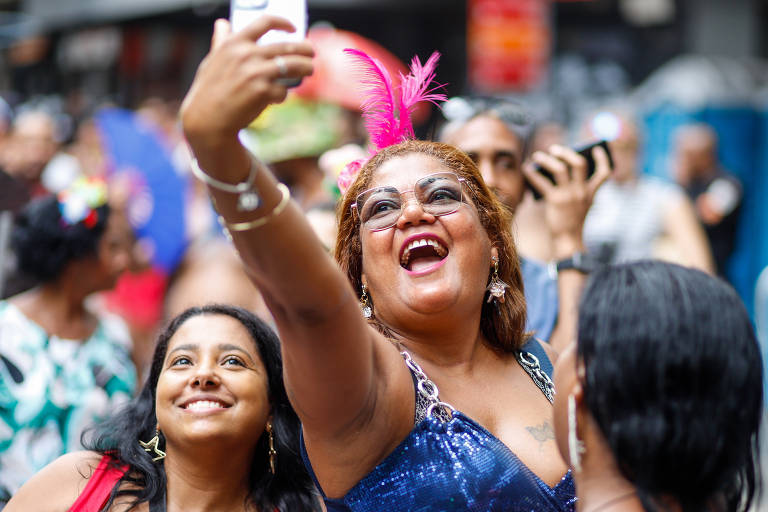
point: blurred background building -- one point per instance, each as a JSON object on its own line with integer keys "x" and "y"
{"x": 128, "y": 49}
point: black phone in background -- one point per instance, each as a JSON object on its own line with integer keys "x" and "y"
{"x": 586, "y": 152}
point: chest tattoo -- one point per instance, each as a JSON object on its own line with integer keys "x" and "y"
{"x": 542, "y": 433}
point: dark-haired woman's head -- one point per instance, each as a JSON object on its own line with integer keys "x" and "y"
{"x": 667, "y": 374}
{"x": 213, "y": 386}
{"x": 215, "y": 380}
{"x": 52, "y": 234}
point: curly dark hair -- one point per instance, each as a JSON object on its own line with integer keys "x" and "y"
{"x": 674, "y": 379}
{"x": 44, "y": 244}
{"x": 289, "y": 489}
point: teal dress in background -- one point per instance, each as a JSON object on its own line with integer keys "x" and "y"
{"x": 52, "y": 388}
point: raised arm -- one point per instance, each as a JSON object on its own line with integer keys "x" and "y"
{"x": 328, "y": 348}
{"x": 687, "y": 235}
{"x": 566, "y": 204}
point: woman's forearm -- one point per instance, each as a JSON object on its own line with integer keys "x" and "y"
{"x": 283, "y": 256}
{"x": 326, "y": 342}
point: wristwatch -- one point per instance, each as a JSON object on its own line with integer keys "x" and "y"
{"x": 580, "y": 261}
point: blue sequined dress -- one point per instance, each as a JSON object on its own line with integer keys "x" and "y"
{"x": 453, "y": 463}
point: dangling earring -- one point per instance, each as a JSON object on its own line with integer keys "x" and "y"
{"x": 496, "y": 288}
{"x": 575, "y": 445}
{"x": 152, "y": 447}
{"x": 365, "y": 305}
{"x": 271, "y": 451}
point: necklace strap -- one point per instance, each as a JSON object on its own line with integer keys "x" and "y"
{"x": 613, "y": 501}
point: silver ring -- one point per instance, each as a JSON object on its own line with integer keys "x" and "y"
{"x": 282, "y": 67}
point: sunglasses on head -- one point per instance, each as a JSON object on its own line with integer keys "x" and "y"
{"x": 464, "y": 108}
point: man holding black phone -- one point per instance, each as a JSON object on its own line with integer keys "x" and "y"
{"x": 493, "y": 133}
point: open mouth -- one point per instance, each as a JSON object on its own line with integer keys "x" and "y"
{"x": 204, "y": 405}
{"x": 421, "y": 253}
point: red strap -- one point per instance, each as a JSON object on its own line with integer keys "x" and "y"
{"x": 99, "y": 486}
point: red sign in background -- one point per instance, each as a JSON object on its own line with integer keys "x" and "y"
{"x": 508, "y": 44}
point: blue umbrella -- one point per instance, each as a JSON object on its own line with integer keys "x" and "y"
{"x": 156, "y": 205}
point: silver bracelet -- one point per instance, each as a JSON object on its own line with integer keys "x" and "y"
{"x": 277, "y": 210}
{"x": 248, "y": 199}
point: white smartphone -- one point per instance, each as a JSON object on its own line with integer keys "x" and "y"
{"x": 244, "y": 12}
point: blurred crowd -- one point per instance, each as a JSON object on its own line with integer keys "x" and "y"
{"x": 105, "y": 235}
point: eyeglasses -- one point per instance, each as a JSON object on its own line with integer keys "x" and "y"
{"x": 438, "y": 194}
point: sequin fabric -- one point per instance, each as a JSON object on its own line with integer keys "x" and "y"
{"x": 453, "y": 465}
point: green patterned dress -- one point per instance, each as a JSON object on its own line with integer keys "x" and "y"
{"x": 53, "y": 388}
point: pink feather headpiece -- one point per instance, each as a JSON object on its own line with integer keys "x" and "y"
{"x": 387, "y": 109}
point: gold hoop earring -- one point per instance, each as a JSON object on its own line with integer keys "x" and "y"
{"x": 365, "y": 304}
{"x": 496, "y": 288}
{"x": 271, "y": 452}
{"x": 152, "y": 448}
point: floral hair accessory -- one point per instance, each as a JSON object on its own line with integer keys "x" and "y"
{"x": 79, "y": 202}
{"x": 334, "y": 162}
{"x": 349, "y": 173}
{"x": 387, "y": 109}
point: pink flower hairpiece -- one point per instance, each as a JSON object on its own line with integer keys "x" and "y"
{"x": 78, "y": 202}
{"x": 387, "y": 109}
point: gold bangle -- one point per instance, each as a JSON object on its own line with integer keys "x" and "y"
{"x": 277, "y": 210}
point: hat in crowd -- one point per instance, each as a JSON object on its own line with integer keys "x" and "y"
{"x": 296, "y": 128}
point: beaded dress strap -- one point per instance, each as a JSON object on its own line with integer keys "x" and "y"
{"x": 532, "y": 367}
{"x": 428, "y": 403}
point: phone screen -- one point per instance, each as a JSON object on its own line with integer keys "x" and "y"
{"x": 586, "y": 152}
{"x": 244, "y": 12}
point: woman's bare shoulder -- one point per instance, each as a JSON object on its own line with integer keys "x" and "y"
{"x": 57, "y": 485}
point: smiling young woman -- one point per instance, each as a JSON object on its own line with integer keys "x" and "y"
{"x": 212, "y": 430}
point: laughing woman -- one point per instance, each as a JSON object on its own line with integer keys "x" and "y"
{"x": 211, "y": 430}
{"x": 424, "y": 248}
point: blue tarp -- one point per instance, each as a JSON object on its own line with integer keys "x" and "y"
{"x": 743, "y": 149}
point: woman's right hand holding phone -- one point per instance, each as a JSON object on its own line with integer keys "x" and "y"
{"x": 235, "y": 82}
